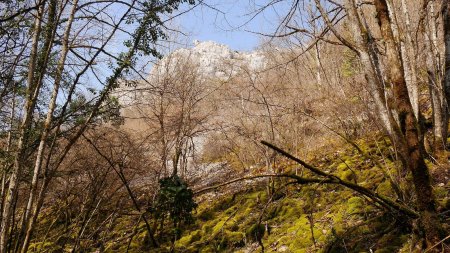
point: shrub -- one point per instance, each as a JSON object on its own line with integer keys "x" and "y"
{"x": 175, "y": 199}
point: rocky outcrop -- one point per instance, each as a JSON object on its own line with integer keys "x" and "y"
{"x": 212, "y": 61}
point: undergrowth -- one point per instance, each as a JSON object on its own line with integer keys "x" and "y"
{"x": 292, "y": 218}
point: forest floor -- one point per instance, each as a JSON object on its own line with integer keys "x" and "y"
{"x": 295, "y": 218}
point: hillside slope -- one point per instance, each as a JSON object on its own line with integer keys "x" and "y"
{"x": 302, "y": 218}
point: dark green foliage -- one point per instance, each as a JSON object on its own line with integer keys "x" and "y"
{"x": 111, "y": 111}
{"x": 175, "y": 200}
{"x": 153, "y": 25}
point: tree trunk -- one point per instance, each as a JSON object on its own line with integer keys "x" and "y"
{"x": 318, "y": 66}
{"x": 46, "y": 130}
{"x": 410, "y": 62}
{"x": 371, "y": 66}
{"x": 410, "y": 130}
{"x": 8, "y": 148}
{"x": 446, "y": 79}
{"x": 74, "y": 138}
{"x": 437, "y": 93}
{"x": 26, "y": 119}
{"x": 175, "y": 160}
{"x": 438, "y": 117}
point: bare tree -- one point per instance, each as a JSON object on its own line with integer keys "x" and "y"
{"x": 66, "y": 29}
{"x": 175, "y": 109}
{"x": 390, "y": 81}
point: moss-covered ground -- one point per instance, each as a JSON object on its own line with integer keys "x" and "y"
{"x": 296, "y": 218}
{"x": 309, "y": 218}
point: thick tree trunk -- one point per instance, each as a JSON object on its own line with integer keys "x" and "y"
{"x": 410, "y": 130}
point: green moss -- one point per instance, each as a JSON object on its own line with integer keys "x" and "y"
{"x": 391, "y": 242}
{"x": 440, "y": 192}
{"x": 273, "y": 212}
{"x": 254, "y": 195}
{"x": 341, "y": 167}
{"x": 231, "y": 210}
{"x": 207, "y": 249}
{"x": 347, "y": 175}
{"x": 445, "y": 203}
{"x": 45, "y": 247}
{"x": 206, "y": 215}
{"x": 232, "y": 240}
{"x": 225, "y": 225}
{"x": 190, "y": 238}
{"x": 255, "y": 232}
{"x": 223, "y": 222}
{"x": 225, "y": 203}
{"x": 349, "y": 66}
{"x": 298, "y": 236}
{"x": 385, "y": 189}
{"x": 355, "y": 205}
{"x": 371, "y": 176}
{"x": 208, "y": 227}
{"x": 299, "y": 226}
{"x": 219, "y": 226}
{"x": 291, "y": 209}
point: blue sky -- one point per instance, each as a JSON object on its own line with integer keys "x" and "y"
{"x": 229, "y": 22}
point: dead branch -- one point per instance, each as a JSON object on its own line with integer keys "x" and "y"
{"x": 383, "y": 200}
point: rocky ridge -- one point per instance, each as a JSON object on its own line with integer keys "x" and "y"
{"x": 214, "y": 61}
